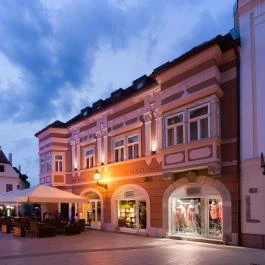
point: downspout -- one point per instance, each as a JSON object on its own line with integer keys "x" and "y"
{"x": 239, "y": 142}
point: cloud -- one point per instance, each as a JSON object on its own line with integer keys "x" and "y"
{"x": 56, "y": 47}
{"x": 57, "y": 57}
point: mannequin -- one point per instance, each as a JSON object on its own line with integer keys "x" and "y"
{"x": 180, "y": 217}
{"x": 192, "y": 215}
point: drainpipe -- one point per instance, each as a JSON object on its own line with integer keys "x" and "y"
{"x": 238, "y": 146}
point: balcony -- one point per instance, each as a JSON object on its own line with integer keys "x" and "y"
{"x": 194, "y": 155}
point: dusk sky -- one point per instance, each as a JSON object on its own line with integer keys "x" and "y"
{"x": 58, "y": 56}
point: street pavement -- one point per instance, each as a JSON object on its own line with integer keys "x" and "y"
{"x": 105, "y": 248}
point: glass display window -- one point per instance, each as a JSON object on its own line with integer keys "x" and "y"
{"x": 127, "y": 213}
{"x": 215, "y": 218}
{"x": 200, "y": 217}
{"x": 132, "y": 214}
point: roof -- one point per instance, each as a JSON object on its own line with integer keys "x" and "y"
{"x": 145, "y": 82}
{"x": 224, "y": 42}
{"x": 3, "y": 158}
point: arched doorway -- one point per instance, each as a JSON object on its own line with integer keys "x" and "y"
{"x": 199, "y": 207}
{"x": 130, "y": 208}
{"x": 93, "y": 209}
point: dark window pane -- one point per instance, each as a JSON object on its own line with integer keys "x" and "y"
{"x": 198, "y": 112}
{"x": 179, "y": 134}
{"x": 136, "y": 151}
{"x": 133, "y": 139}
{"x": 175, "y": 119}
{"x": 130, "y": 152}
{"x": 193, "y": 131}
{"x": 204, "y": 128}
{"x": 2, "y": 168}
{"x": 170, "y": 137}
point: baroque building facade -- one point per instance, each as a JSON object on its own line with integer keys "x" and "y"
{"x": 160, "y": 157}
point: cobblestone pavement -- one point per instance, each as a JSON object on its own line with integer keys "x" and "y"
{"x": 104, "y": 248}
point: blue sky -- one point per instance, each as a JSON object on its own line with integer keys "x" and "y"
{"x": 56, "y": 57}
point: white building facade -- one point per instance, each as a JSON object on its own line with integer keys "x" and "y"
{"x": 251, "y": 19}
{"x": 9, "y": 178}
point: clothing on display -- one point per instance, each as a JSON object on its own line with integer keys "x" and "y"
{"x": 197, "y": 217}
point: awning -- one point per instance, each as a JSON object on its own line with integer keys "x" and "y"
{"x": 40, "y": 194}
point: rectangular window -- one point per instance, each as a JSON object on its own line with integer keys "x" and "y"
{"x": 9, "y": 187}
{"x": 49, "y": 163}
{"x": 133, "y": 147}
{"x": 199, "y": 123}
{"x": 2, "y": 168}
{"x": 42, "y": 165}
{"x": 175, "y": 129}
{"x": 58, "y": 162}
{"x": 89, "y": 158}
{"x": 118, "y": 150}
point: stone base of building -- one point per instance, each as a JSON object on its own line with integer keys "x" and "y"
{"x": 253, "y": 241}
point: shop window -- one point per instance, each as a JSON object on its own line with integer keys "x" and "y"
{"x": 133, "y": 147}
{"x": 175, "y": 129}
{"x": 199, "y": 123}
{"x": 127, "y": 213}
{"x": 118, "y": 150}
{"x": 200, "y": 217}
{"x": 142, "y": 214}
{"x": 89, "y": 158}
{"x": 58, "y": 162}
{"x": 215, "y": 218}
{"x": 132, "y": 214}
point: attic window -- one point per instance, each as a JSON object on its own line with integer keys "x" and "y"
{"x": 2, "y": 168}
{"x": 85, "y": 113}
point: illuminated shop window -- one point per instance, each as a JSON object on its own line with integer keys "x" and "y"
{"x": 201, "y": 217}
{"x": 199, "y": 123}
{"x": 133, "y": 147}
{"x": 89, "y": 158}
{"x": 175, "y": 129}
{"x": 132, "y": 214}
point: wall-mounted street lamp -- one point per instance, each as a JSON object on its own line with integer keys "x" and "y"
{"x": 97, "y": 177}
{"x": 262, "y": 163}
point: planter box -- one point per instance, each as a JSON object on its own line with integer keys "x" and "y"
{"x": 18, "y": 231}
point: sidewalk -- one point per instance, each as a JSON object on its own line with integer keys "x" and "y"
{"x": 104, "y": 248}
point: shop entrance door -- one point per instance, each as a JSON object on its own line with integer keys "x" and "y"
{"x": 94, "y": 214}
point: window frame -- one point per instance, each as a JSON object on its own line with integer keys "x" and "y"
{"x": 2, "y": 167}
{"x": 198, "y": 119}
{"x": 89, "y": 157}
{"x": 56, "y": 160}
{"x": 175, "y": 127}
{"x": 132, "y": 144}
{"x": 119, "y": 148}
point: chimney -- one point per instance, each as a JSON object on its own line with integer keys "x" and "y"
{"x": 19, "y": 168}
{"x": 10, "y": 158}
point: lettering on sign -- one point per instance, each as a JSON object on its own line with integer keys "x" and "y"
{"x": 128, "y": 194}
{"x": 193, "y": 191}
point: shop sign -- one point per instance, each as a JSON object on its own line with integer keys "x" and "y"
{"x": 193, "y": 191}
{"x": 128, "y": 194}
